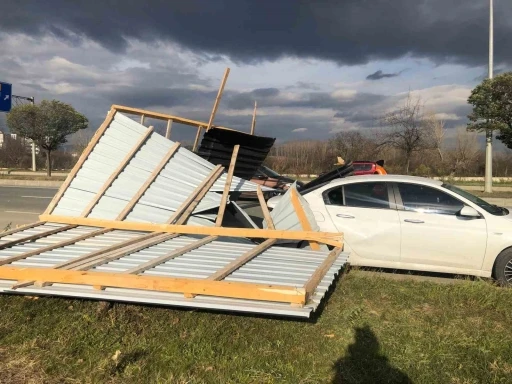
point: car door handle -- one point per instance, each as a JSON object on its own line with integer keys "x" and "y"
{"x": 414, "y": 221}
{"x": 345, "y": 216}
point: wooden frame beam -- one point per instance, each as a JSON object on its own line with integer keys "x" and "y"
{"x": 97, "y": 136}
{"x": 164, "y": 116}
{"x": 320, "y": 272}
{"x": 53, "y": 246}
{"x": 334, "y": 239}
{"x": 135, "y": 199}
{"x": 171, "y": 255}
{"x": 275, "y": 293}
{"x": 217, "y": 99}
{"x": 245, "y": 258}
{"x": 187, "y": 207}
{"x": 142, "y": 119}
{"x": 304, "y": 222}
{"x": 264, "y": 209}
{"x": 108, "y": 183}
{"x": 253, "y": 124}
{"x": 227, "y": 186}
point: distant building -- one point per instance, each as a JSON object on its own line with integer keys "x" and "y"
{"x": 14, "y": 136}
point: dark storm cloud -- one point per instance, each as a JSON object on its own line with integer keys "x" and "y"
{"x": 347, "y": 32}
{"x": 381, "y": 75}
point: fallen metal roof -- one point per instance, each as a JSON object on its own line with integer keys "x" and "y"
{"x": 176, "y": 181}
{"x": 276, "y": 266}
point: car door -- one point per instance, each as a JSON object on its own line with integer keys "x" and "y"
{"x": 432, "y": 231}
{"x": 366, "y": 213}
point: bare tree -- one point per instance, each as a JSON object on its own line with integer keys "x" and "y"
{"x": 407, "y": 129}
{"x": 13, "y": 152}
{"x": 465, "y": 152}
{"x": 435, "y": 131}
{"x": 353, "y": 145}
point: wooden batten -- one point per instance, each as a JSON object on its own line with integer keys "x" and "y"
{"x": 250, "y": 291}
{"x": 245, "y": 258}
{"x": 181, "y": 215}
{"x": 168, "y": 129}
{"x": 60, "y": 244}
{"x": 196, "y": 140}
{"x": 320, "y": 272}
{"x": 264, "y": 209}
{"x": 36, "y": 236}
{"x": 227, "y": 186}
{"x": 171, "y": 255}
{"x": 135, "y": 199}
{"x": 20, "y": 229}
{"x": 253, "y": 124}
{"x": 217, "y": 99}
{"x": 97, "y": 136}
{"x": 108, "y": 183}
{"x": 304, "y": 222}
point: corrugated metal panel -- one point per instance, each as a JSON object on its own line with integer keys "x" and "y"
{"x": 182, "y": 174}
{"x": 217, "y": 147}
{"x": 276, "y": 265}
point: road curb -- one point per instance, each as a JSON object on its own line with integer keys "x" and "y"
{"x": 30, "y": 183}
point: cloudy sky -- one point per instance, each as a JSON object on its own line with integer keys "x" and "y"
{"x": 315, "y": 67}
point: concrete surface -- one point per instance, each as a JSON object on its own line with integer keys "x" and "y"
{"x": 31, "y": 183}
{"x": 23, "y": 205}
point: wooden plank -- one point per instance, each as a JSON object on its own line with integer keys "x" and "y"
{"x": 168, "y": 129}
{"x": 196, "y": 140}
{"x": 53, "y": 246}
{"x": 227, "y": 186}
{"x": 171, "y": 255}
{"x": 264, "y": 209}
{"x": 135, "y": 199}
{"x": 105, "y": 258}
{"x": 304, "y": 222}
{"x": 21, "y": 228}
{"x": 122, "y": 165}
{"x": 142, "y": 118}
{"x": 253, "y": 124}
{"x": 275, "y": 293}
{"x": 334, "y": 239}
{"x": 84, "y": 258}
{"x": 217, "y": 99}
{"x": 320, "y": 272}
{"x": 97, "y": 136}
{"x": 36, "y": 236}
{"x": 187, "y": 207}
{"x": 164, "y": 116}
{"x": 245, "y": 258}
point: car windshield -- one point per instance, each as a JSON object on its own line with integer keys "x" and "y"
{"x": 493, "y": 209}
{"x": 270, "y": 172}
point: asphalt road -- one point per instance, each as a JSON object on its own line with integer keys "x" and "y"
{"x": 23, "y": 205}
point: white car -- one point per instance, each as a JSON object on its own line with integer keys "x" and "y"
{"x": 414, "y": 223}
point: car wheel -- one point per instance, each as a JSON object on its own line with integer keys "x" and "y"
{"x": 502, "y": 270}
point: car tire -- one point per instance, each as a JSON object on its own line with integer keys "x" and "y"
{"x": 502, "y": 270}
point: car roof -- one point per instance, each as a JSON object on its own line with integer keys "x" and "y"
{"x": 389, "y": 178}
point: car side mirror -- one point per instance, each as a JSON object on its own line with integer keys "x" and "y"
{"x": 468, "y": 211}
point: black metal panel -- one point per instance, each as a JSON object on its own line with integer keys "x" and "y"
{"x": 343, "y": 171}
{"x": 217, "y": 147}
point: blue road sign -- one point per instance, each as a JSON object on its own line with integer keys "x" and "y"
{"x": 5, "y": 97}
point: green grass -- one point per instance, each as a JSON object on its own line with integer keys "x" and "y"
{"x": 499, "y": 183}
{"x": 372, "y": 330}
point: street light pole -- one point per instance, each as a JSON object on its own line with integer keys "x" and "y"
{"x": 488, "y": 132}
{"x": 33, "y": 147}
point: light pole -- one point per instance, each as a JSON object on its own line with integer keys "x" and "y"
{"x": 488, "y": 132}
{"x": 33, "y": 147}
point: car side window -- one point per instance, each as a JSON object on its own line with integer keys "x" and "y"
{"x": 334, "y": 196}
{"x": 366, "y": 195}
{"x": 420, "y": 198}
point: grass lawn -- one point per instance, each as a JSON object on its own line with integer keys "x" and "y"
{"x": 497, "y": 194}
{"x": 372, "y": 330}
